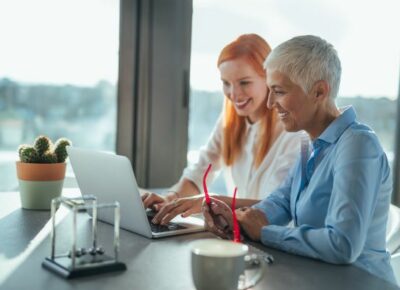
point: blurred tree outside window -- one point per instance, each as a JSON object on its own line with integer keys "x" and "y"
{"x": 59, "y": 64}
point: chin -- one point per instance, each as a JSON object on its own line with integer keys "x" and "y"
{"x": 290, "y": 127}
{"x": 245, "y": 113}
{"x": 242, "y": 113}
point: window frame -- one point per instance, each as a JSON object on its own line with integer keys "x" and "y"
{"x": 153, "y": 88}
{"x": 396, "y": 163}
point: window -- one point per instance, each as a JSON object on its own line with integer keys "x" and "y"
{"x": 59, "y": 67}
{"x": 367, "y": 42}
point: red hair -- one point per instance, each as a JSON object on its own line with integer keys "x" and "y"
{"x": 254, "y": 49}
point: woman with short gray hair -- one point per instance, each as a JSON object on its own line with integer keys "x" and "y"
{"x": 338, "y": 192}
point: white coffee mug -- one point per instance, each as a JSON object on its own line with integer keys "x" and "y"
{"x": 218, "y": 264}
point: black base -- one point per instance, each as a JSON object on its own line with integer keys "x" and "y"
{"x": 62, "y": 266}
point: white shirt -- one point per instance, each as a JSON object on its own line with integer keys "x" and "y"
{"x": 255, "y": 183}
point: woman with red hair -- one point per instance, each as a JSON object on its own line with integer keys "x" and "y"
{"x": 248, "y": 142}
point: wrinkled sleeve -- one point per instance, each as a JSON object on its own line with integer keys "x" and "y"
{"x": 210, "y": 153}
{"x": 359, "y": 167}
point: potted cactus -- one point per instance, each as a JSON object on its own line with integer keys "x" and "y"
{"x": 41, "y": 172}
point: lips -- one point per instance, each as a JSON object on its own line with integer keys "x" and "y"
{"x": 283, "y": 115}
{"x": 242, "y": 104}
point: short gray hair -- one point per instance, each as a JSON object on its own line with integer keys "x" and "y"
{"x": 305, "y": 60}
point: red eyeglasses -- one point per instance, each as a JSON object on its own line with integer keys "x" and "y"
{"x": 236, "y": 228}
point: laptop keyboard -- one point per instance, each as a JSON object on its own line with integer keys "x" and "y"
{"x": 156, "y": 228}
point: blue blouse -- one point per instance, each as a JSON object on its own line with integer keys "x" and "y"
{"x": 338, "y": 196}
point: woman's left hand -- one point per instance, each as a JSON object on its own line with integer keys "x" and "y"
{"x": 184, "y": 206}
{"x": 252, "y": 221}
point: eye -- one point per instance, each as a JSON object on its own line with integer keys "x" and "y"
{"x": 245, "y": 83}
{"x": 225, "y": 83}
{"x": 279, "y": 93}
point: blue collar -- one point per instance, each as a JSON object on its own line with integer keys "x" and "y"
{"x": 338, "y": 126}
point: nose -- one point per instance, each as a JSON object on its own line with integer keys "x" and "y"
{"x": 234, "y": 92}
{"x": 270, "y": 100}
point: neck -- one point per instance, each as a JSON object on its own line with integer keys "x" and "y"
{"x": 322, "y": 119}
{"x": 257, "y": 115}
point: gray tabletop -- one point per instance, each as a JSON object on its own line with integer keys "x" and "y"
{"x": 152, "y": 264}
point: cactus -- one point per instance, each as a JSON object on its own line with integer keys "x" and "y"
{"x": 42, "y": 144}
{"x": 43, "y": 151}
{"x": 22, "y": 147}
{"x": 28, "y": 154}
{"x": 49, "y": 157}
{"x": 60, "y": 149}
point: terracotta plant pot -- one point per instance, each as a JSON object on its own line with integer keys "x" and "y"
{"x": 39, "y": 183}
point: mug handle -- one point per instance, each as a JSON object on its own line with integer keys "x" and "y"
{"x": 253, "y": 261}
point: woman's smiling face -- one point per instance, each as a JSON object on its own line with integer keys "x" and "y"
{"x": 294, "y": 107}
{"x": 244, "y": 87}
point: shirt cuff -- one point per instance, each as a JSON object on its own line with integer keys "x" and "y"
{"x": 275, "y": 215}
{"x": 196, "y": 179}
{"x": 272, "y": 236}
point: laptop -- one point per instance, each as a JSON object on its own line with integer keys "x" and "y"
{"x": 110, "y": 178}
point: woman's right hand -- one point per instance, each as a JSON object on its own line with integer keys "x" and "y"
{"x": 153, "y": 200}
